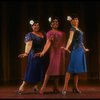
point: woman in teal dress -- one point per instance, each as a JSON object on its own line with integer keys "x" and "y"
{"x": 35, "y": 70}
{"x": 77, "y": 63}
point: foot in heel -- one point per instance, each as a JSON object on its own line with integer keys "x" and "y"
{"x": 55, "y": 90}
{"x": 41, "y": 92}
{"x": 76, "y": 90}
{"x": 64, "y": 92}
{"x": 35, "y": 90}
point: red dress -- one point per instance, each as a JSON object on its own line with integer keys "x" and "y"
{"x": 57, "y": 65}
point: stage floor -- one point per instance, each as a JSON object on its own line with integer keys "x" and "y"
{"x": 88, "y": 92}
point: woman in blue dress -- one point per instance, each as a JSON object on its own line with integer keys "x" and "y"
{"x": 35, "y": 70}
{"x": 77, "y": 63}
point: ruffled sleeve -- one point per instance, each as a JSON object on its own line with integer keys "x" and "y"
{"x": 50, "y": 36}
{"x": 28, "y": 37}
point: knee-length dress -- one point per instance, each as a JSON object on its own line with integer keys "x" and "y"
{"x": 77, "y": 63}
{"x": 35, "y": 65}
{"x": 57, "y": 56}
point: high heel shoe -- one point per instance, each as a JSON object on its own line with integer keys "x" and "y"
{"x": 35, "y": 90}
{"x": 63, "y": 92}
{"x": 55, "y": 91}
{"x": 76, "y": 90}
{"x": 41, "y": 92}
{"x": 20, "y": 92}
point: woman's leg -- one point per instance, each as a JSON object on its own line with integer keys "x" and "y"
{"x": 56, "y": 85}
{"x": 67, "y": 77}
{"x": 21, "y": 88}
{"x": 35, "y": 89}
{"x": 44, "y": 83}
{"x": 75, "y": 88}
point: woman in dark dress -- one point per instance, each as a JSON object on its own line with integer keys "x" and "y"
{"x": 35, "y": 70}
{"x": 77, "y": 63}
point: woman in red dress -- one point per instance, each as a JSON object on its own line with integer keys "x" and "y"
{"x": 55, "y": 39}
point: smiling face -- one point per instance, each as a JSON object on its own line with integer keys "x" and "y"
{"x": 75, "y": 21}
{"x": 36, "y": 27}
{"x": 54, "y": 24}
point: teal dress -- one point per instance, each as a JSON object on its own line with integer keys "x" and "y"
{"x": 77, "y": 62}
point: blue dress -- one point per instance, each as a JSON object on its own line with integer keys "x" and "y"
{"x": 77, "y": 63}
{"x": 35, "y": 65}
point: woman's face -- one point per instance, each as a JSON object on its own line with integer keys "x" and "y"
{"x": 75, "y": 22}
{"x": 36, "y": 27}
{"x": 55, "y": 24}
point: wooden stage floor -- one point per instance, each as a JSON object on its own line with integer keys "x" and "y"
{"x": 89, "y": 91}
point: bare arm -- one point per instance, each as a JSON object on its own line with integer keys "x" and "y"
{"x": 46, "y": 47}
{"x": 85, "y": 49}
{"x": 27, "y": 49}
{"x": 28, "y": 46}
{"x": 69, "y": 40}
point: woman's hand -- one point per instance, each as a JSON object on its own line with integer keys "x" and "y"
{"x": 63, "y": 48}
{"x": 37, "y": 54}
{"x": 66, "y": 49}
{"x": 41, "y": 54}
{"x": 86, "y": 50}
{"x": 22, "y": 55}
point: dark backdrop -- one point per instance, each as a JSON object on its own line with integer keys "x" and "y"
{"x": 14, "y": 24}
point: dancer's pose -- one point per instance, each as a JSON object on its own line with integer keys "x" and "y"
{"x": 77, "y": 62}
{"x": 35, "y": 70}
{"x": 55, "y": 39}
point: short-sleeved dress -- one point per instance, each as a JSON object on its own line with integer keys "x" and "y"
{"x": 57, "y": 56}
{"x": 77, "y": 63}
{"x": 35, "y": 65}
